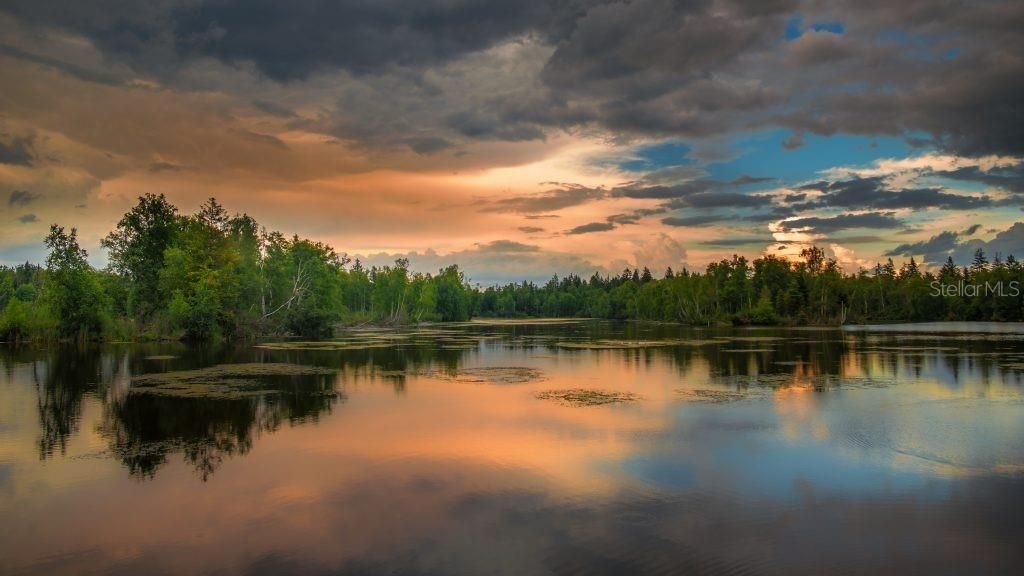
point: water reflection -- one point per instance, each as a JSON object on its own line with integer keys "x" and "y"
{"x": 750, "y": 451}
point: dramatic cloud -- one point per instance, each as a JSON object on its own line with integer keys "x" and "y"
{"x": 649, "y": 67}
{"x": 28, "y": 218}
{"x": 947, "y": 244}
{"x": 826, "y": 225}
{"x": 414, "y": 126}
{"x": 873, "y": 193}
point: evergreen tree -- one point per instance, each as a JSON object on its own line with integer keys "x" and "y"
{"x": 980, "y": 262}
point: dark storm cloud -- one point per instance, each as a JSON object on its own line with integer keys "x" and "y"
{"x": 566, "y": 196}
{"x": 28, "y": 218}
{"x": 475, "y": 124}
{"x": 427, "y": 145}
{"x": 872, "y": 193}
{"x": 18, "y": 151}
{"x": 843, "y": 222}
{"x": 635, "y": 52}
{"x": 659, "y": 68}
{"x": 946, "y": 74}
{"x": 22, "y": 198}
{"x": 946, "y": 244}
{"x": 292, "y": 40}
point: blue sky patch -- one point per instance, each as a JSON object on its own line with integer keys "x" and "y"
{"x": 652, "y": 157}
{"x": 762, "y": 154}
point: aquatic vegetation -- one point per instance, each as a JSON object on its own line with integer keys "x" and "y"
{"x": 160, "y": 357}
{"x": 497, "y": 375}
{"x": 586, "y": 397}
{"x": 477, "y": 375}
{"x": 221, "y": 381}
{"x": 365, "y": 339}
{"x": 632, "y": 344}
{"x": 711, "y": 396}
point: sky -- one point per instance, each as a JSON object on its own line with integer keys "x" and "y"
{"x": 524, "y": 138}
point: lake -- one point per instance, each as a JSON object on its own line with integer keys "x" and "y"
{"x": 573, "y": 447}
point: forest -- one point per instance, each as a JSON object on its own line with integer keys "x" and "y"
{"x": 211, "y": 275}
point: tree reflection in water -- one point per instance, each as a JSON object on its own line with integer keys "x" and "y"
{"x": 145, "y": 430}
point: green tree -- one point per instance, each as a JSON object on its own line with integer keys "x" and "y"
{"x": 72, "y": 289}
{"x": 136, "y": 250}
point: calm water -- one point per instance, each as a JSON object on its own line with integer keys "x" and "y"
{"x": 744, "y": 452}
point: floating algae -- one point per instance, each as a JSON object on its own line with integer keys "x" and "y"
{"x": 711, "y": 396}
{"x": 497, "y": 375}
{"x": 160, "y": 357}
{"x": 631, "y": 344}
{"x": 586, "y": 397}
{"x": 479, "y": 375}
{"x": 221, "y": 381}
{"x": 748, "y": 350}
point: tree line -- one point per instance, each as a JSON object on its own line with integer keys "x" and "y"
{"x": 770, "y": 290}
{"x": 211, "y": 275}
